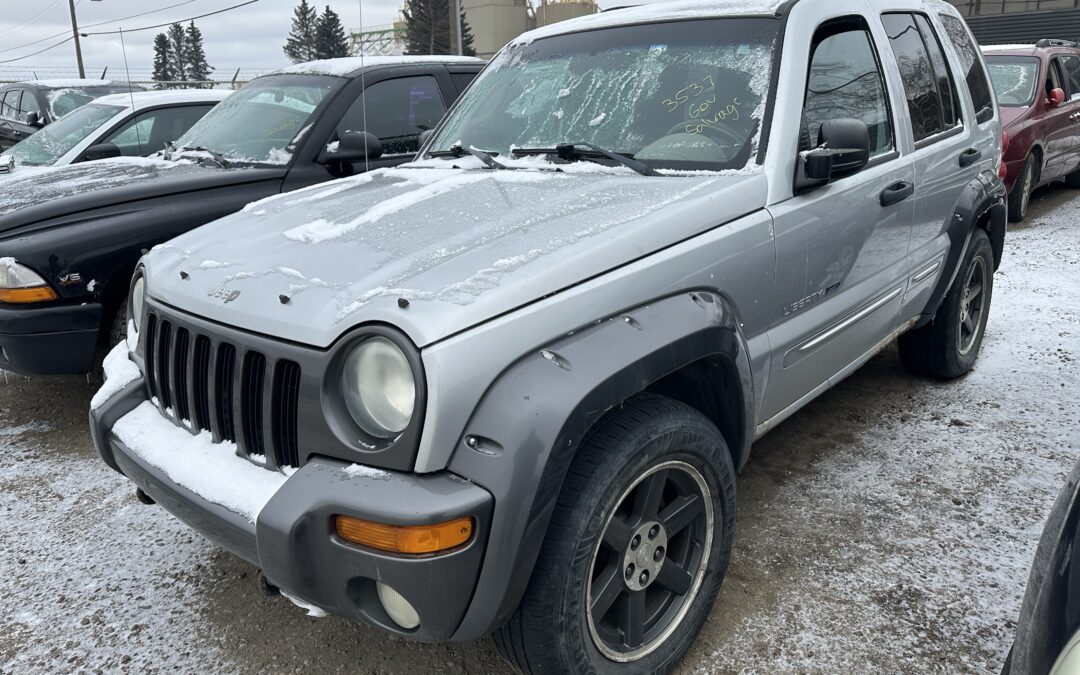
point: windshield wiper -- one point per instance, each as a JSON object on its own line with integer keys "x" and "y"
{"x": 214, "y": 155}
{"x": 571, "y": 151}
{"x": 457, "y": 151}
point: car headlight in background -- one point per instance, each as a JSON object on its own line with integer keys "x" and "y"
{"x": 20, "y": 284}
{"x": 137, "y": 302}
{"x": 379, "y": 387}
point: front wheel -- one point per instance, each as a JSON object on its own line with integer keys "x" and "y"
{"x": 948, "y": 346}
{"x": 636, "y": 551}
{"x": 1020, "y": 197}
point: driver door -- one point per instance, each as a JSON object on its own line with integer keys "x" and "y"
{"x": 841, "y": 249}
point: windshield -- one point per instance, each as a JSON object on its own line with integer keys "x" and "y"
{"x": 56, "y": 139}
{"x": 680, "y": 95}
{"x": 1014, "y": 79}
{"x": 62, "y": 101}
{"x": 260, "y": 122}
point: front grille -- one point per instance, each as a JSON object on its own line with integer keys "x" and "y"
{"x": 238, "y": 395}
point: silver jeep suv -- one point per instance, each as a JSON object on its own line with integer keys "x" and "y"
{"x": 506, "y": 388}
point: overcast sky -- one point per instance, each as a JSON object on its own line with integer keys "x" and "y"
{"x": 248, "y": 37}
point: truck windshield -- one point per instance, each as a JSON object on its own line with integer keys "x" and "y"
{"x": 679, "y": 95}
{"x": 1014, "y": 79}
{"x": 58, "y": 138}
{"x": 262, "y": 121}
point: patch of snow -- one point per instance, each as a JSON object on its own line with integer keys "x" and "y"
{"x": 92, "y": 285}
{"x": 333, "y": 146}
{"x": 1002, "y": 48}
{"x": 344, "y": 67}
{"x": 277, "y": 156}
{"x": 312, "y": 610}
{"x": 598, "y": 120}
{"x": 120, "y": 371}
{"x": 564, "y": 92}
{"x": 73, "y": 83}
{"x": 211, "y": 470}
{"x": 366, "y": 472}
{"x": 213, "y": 265}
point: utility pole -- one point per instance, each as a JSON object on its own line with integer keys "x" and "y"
{"x": 75, "y": 34}
{"x": 455, "y": 26}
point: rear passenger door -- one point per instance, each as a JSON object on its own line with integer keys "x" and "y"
{"x": 949, "y": 146}
{"x": 10, "y": 134}
{"x": 841, "y": 249}
{"x": 1059, "y": 133}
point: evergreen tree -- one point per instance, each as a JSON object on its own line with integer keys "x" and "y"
{"x": 162, "y": 61}
{"x": 198, "y": 68}
{"x": 330, "y": 39}
{"x": 178, "y": 51}
{"x": 427, "y": 28}
{"x": 301, "y": 44}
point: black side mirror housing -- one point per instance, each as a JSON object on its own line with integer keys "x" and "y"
{"x": 33, "y": 119}
{"x": 354, "y": 146}
{"x": 101, "y": 151}
{"x": 843, "y": 149}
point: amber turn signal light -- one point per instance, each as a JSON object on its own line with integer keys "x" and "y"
{"x": 26, "y": 295}
{"x": 410, "y": 539}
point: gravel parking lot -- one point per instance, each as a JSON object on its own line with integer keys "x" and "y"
{"x": 887, "y": 528}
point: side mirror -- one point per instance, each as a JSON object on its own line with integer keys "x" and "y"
{"x": 1057, "y": 97}
{"x": 33, "y": 119}
{"x": 355, "y": 146}
{"x": 843, "y": 149}
{"x": 101, "y": 151}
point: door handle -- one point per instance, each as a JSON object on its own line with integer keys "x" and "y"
{"x": 897, "y": 192}
{"x": 970, "y": 156}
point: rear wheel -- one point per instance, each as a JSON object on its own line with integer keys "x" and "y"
{"x": 948, "y": 346}
{"x": 1020, "y": 197}
{"x": 636, "y": 550}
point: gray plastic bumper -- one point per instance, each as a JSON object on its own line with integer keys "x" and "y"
{"x": 293, "y": 538}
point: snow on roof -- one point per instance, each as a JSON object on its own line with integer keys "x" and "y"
{"x": 71, "y": 84}
{"x": 1006, "y": 48}
{"x": 661, "y": 11}
{"x": 349, "y": 65}
{"x": 145, "y": 99}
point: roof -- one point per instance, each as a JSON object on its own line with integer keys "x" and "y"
{"x": 347, "y": 66}
{"x": 70, "y": 84}
{"x": 662, "y": 11}
{"x": 987, "y": 49}
{"x": 146, "y": 99}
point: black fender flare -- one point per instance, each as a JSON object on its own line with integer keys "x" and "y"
{"x": 983, "y": 197}
{"x": 529, "y": 424}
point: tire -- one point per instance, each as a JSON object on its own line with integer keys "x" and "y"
{"x": 649, "y": 442}
{"x": 117, "y": 333}
{"x": 948, "y": 346}
{"x": 1020, "y": 196}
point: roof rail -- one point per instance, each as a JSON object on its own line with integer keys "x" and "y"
{"x": 1054, "y": 42}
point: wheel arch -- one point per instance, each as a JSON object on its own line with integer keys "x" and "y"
{"x": 530, "y": 423}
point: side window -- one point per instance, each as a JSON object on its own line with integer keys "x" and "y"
{"x": 950, "y": 102}
{"x": 925, "y": 105}
{"x": 9, "y": 107}
{"x": 845, "y": 80}
{"x": 29, "y": 104}
{"x": 971, "y": 61}
{"x": 1071, "y": 65}
{"x": 1054, "y": 78}
{"x": 150, "y": 131}
{"x": 397, "y": 111}
{"x": 462, "y": 80}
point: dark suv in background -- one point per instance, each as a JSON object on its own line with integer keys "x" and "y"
{"x": 1038, "y": 90}
{"x": 26, "y": 107}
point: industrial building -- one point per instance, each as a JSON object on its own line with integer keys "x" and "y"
{"x": 1021, "y": 21}
{"x": 493, "y": 23}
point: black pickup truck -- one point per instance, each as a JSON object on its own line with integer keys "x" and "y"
{"x": 70, "y": 236}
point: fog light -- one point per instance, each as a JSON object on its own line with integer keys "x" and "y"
{"x": 398, "y": 608}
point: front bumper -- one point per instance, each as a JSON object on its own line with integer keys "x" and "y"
{"x": 293, "y": 538}
{"x": 51, "y": 340}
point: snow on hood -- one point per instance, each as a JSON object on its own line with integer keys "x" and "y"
{"x": 25, "y": 189}
{"x": 461, "y": 245}
{"x": 674, "y": 10}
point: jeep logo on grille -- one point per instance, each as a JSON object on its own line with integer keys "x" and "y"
{"x": 223, "y": 293}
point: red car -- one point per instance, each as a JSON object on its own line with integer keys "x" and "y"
{"x": 1038, "y": 90}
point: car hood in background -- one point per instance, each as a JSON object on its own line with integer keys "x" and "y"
{"x": 56, "y": 192}
{"x": 460, "y": 245}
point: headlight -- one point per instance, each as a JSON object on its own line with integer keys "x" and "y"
{"x": 20, "y": 284}
{"x": 379, "y": 387}
{"x": 137, "y": 301}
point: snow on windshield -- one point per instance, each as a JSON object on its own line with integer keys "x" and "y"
{"x": 685, "y": 95}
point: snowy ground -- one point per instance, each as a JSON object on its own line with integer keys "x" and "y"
{"x": 887, "y": 528}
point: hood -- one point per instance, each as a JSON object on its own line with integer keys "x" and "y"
{"x": 30, "y": 197}
{"x": 460, "y": 245}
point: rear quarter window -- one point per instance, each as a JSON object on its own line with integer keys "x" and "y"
{"x": 974, "y": 74}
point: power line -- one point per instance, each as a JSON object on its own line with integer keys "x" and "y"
{"x": 31, "y": 19}
{"x": 41, "y": 51}
{"x": 169, "y": 23}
